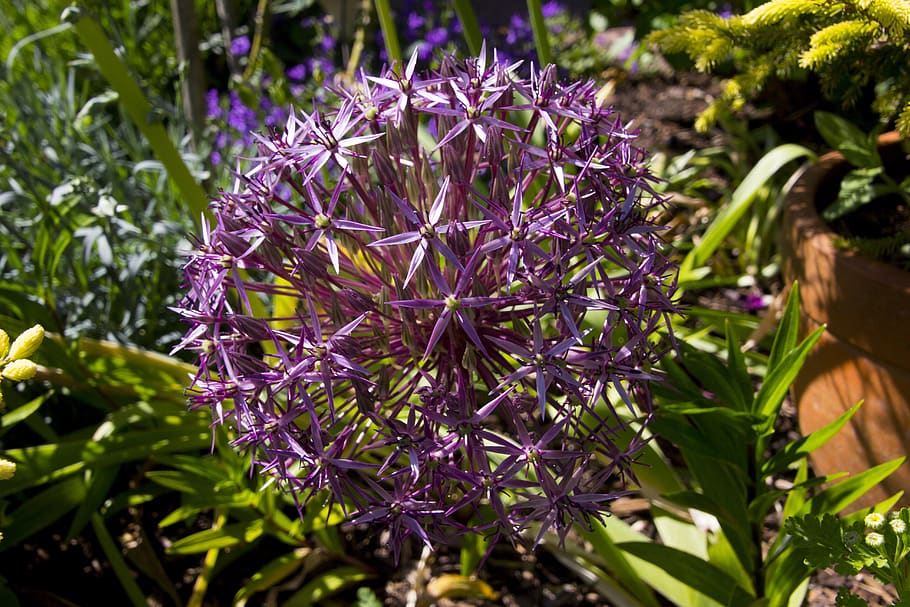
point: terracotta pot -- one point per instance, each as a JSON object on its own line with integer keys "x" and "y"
{"x": 865, "y": 352}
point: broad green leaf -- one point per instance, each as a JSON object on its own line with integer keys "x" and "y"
{"x": 859, "y": 147}
{"x": 692, "y": 571}
{"x": 325, "y": 585}
{"x": 41, "y": 510}
{"x": 182, "y": 481}
{"x": 722, "y": 554}
{"x": 651, "y": 573}
{"x": 700, "y": 501}
{"x": 857, "y": 188}
{"x": 739, "y": 375}
{"x": 616, "y": 564}
{"x": 717, "y": 378}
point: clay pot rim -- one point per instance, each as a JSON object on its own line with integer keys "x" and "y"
{"x": 810, "y": 230}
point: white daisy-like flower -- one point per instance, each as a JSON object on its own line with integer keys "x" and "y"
{"x": 875, "y": 539}
{"x": 874, "y": 520}
{"x": 898, "y": 525}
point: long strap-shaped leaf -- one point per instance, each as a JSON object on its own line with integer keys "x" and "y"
{"x": 138, "y": 108}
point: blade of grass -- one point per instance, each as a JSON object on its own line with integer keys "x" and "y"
{"x": 742, "y": 198}
{"x": 389, "y": 33}
{"x": 539, "y": 28}
{"x": 469, "y": 25}
{"x": 118, "y": 564}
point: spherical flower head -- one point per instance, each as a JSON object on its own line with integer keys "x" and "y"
{"x": 7, "y": 469}
{"x": 875, "y": 539}
{"x": 426, "y": 300}
{"x": 897, "y": 525}
{"x": 874, "y": 520}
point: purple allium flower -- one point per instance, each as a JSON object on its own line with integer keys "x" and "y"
{"x": 240, "y": 45}
{"x": 434, "y": 328}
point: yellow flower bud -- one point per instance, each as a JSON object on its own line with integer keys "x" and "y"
{"x": 7, "y": 469}
{"x": 27, "y": 342}
{"x": 19, "y": 370}
{"x": 4, "y": 344}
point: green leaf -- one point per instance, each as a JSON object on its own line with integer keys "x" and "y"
{"x": 856, "y": 189}
{"x": 779, "y": 379}
{"x": 742, "y": 198}
{"x": 787, "y": 334}
{"x": 859, "y": 147}
{"x": 44, "y": 463}
{"x": 213, "y": 539}
{"x": 469, "y": 25}
{"x": 645, "y": 571}
{"x": 844, "y": 493}
{"x": 615, "y": 562}
{"x": 271, "y": 574}
{"x": 802, "y": 447}
{"x": 99, "y": 482}
{"x": 41, "y": 510}
{"x": 115, "y": 558}
{"x": 693, "y": 572}
{"x": 736, "y": 363}
{"x": 22, "y": 412}
{"x": 182, "y": 482}
{"x": 325, "y": 585}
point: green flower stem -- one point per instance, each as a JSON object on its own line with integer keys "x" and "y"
{"x": 469, "y": 25}
{"x": 539, "y": 27}
{"x": 389, "y": 33}
{"x": 138, "y": 107}
{"x": 208, "y": 567}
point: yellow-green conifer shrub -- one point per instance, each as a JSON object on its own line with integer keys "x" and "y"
{"x": 850, "y": 44}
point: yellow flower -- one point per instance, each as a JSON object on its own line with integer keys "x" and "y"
{"x": 27, "y": 343}
{"x": 4, "y": 344}
{"x": 20, "y": 370}
{"x": 7, "y": 469}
